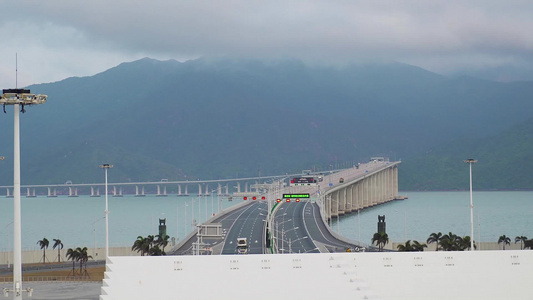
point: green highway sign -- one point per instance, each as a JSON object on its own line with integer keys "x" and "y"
{"x": 290, "y": 196}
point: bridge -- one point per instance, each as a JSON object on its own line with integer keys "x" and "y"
{"x": 273, "y": 224}
{"x": 222, "y": 187}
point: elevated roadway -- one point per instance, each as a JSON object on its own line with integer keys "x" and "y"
{"x": 295, "y": 227}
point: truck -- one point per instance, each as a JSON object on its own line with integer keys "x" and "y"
{"x": 242, "y": 245}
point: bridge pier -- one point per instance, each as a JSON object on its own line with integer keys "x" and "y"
{"x": 93, "y": 194}
{"x": 52, "y": 194}
{"x": 372, "y": 189}
{"x": 159, "y": 194}
{"x": 206, "y": 190}
{"x": 137, "y": 191}
{"x": 199, "y": 189}
{"x": 30, "y": 193}
{"x": 115, "y": 194}
{"x": 72, "y": 191}
{"x": 8, "y": 193}
{"x": 219, "y": 190}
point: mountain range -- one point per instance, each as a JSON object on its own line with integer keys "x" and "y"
{"x": 227, "y": 118}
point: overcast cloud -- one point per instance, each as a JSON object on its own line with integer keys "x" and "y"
{"x": 59, "y": 39}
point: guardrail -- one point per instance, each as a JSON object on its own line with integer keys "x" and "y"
{"x": 51, "y": 279}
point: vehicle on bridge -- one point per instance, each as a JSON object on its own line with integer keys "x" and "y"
{"x": 242, "y": 245}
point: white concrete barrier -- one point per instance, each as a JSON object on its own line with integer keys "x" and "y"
{"x": 468, "y": 275}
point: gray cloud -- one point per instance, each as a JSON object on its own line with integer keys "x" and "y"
{"x": 57, "y": 39}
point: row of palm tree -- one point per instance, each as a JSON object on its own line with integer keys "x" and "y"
{"x": 450, "y": 242}
{"x": 414, "y": 247}
{"x": 79, "y": 255}
{"x": 44, "y": 243}
{"x": 524, "y": 242}
{"x": 151, "y": 245}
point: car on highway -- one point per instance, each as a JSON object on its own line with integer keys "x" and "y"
{"x": 242, "y": 245}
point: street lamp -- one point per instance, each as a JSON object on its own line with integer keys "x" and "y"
{"x": 106, "y": 212}
{"x": 18, "y": 98}
{"x": 471, "y": 161}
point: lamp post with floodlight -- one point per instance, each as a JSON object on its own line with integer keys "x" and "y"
{"x": 106, "y": 212}
{"x": 471, "y": 161}
{"x": 19, "y": 98}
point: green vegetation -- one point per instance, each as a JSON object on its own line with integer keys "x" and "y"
{"x": 504, "y": 240}
{"x": 380, "y": 239}
{"x": 151, "y": 245}
{"x": 414, "y": 247}
{"x": 44, "y": 245}
{"x": 59, "y": 245}
{"x": 79, "y": 255}
{"x": 206, "y": 119}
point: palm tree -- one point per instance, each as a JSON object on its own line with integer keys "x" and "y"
{"x": 162, "y": 243}
{"x": 435, "y": 238}
{"x": 450, "y": 242}
{"x": 83, "y": 258}
{"x": 74, "y": 255}
{"x": 464, "y": 243}
{"x": 43, "y": 244}
{"x": 407, "y": 247}
{"x": 156, "y": 251}
{"x": 380, "y": 239}
{"x": 419, "y": 247}
{"x": 141, "y": 244}
{"x": 504, "y": 240}
{"x": 528, "y": 244}
{"x": 522, "y": 239}
{"x": 59, "y": 245}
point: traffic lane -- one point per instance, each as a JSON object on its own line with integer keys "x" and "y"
{"x": 282, "y": 223}
{"x": 299, "y": 239}
{"x": 318, "y": 231}
{"x": 249, "y": 224}
{"x": 290, "y": 232}
{"x": 226, "y": 221}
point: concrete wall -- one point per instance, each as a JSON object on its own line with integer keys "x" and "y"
{"x": 480, "y": 275}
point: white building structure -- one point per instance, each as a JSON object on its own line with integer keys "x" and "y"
{"x": 380, "y": 275}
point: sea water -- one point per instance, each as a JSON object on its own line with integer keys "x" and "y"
{"x": 496, "y": 213}
{"x": 79, "y": 221}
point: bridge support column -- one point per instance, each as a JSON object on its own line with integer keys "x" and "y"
{"x": 206, "y": 190}
{"x": 341, "y": 199}
{"x": 199, "y": 190}
{"x": 238, "y": 187}
{"x": 227, "y": 189}
{"x": 93, "y": 193}
{"x": 179, "y": 190}
{"x": 50, "y": 193}
{"x": 141, "y": 194}
{"x": 186, "y": 190}
{"x": 219, "y": 190}
{"x": 159, "y": 194}
{"x": 115, "y": 193}
{"x": 8, "y": 193}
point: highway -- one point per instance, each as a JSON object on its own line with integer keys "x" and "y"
{"x": 247, "y": 221}
{"x": 297, "y": 226}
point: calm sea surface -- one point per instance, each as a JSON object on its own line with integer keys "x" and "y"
{"x": 78, "y": 221}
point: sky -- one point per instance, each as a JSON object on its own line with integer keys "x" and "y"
{"x": 57, "y": 39}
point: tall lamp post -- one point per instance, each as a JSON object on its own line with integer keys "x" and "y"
{"x": 19, "y": 98}
{"x": 471, "y": 161}
{"x": 106, "y": 212}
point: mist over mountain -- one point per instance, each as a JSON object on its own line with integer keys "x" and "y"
{"x": 224, "y": 118}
